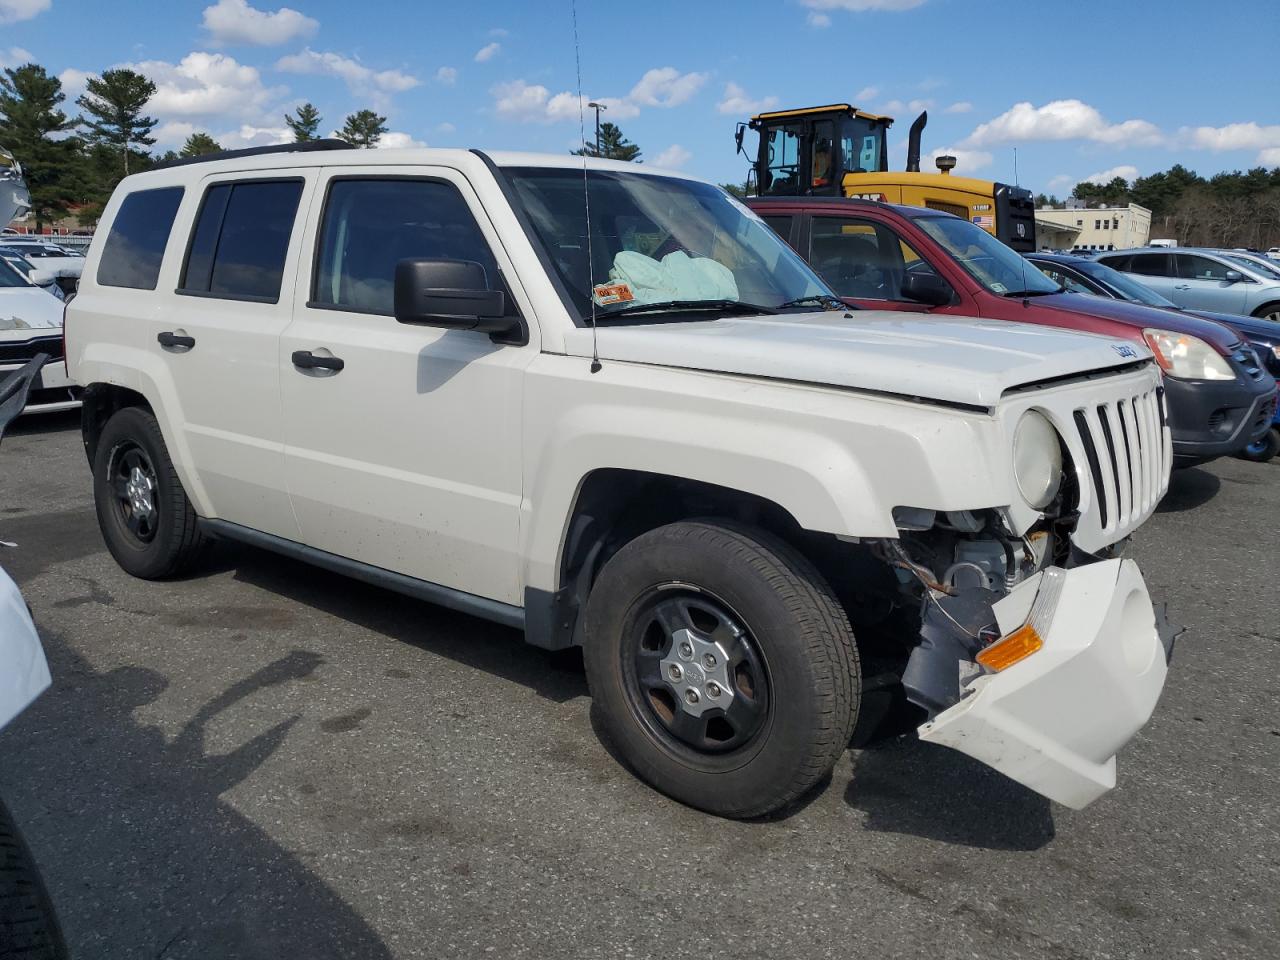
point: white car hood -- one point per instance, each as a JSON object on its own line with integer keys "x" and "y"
{"x": 27, "y": 312}
{"x": 949, "y": 359}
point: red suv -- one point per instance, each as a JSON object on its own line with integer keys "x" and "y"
{"x": 883, "y": 256}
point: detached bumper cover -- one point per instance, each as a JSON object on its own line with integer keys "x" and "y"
{"x": 1055, "y": 720}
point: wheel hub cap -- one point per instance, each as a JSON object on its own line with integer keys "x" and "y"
{"x": 141, "y": 493}
{"x": 697, "y": 671}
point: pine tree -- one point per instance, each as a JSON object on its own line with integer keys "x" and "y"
{"x": 114, "y": 103}
{"x": 30, "y": 121}
{"x": 363, "y": 128}
{"x": 198, "y": 144}
{"x": 304, "y": 122}
{"x": 613, "y": 145}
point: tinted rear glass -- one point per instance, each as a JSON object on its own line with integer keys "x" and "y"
{"x": 241, "y": 238}
{"x": 135, "y": 245}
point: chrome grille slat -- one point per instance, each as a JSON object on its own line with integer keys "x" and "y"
{"x": 1126, "y": 462}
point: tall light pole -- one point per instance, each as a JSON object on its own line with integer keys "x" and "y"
{"x": 597, "y": 107}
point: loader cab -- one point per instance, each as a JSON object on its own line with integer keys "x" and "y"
{"x": 808, "y": 152}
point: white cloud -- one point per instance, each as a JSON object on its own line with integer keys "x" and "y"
{"x": 172, "y": 133}
{"x": 13, "y": 11}
{"x": 206, "y": 85}
{"x": 487, "y": 52}
{"x": 1062, "y": 181}
{"x": 967, "y": 161}
{"x": 248, "y": 135}
{"x": 534, "y": 103}
{"x": 1125, "y": 171}
{"x": 867, "y": 94}
{"x": 673, "y": 158}
{"x": 447, "y": 76}
{"x": 1237, "y": 136}
{"x": 358, "y": 78}
{"x": 74, "y": 81}
{"x": 234, "y": 21}
{"x": 961, "y": 106}
{"x": 666, "y": 87}
{"x": 819, "y": 21}
{"x": 911, "y": 106}
{"x": 394, "y": 139}
{"x": 861, "y": 6}
{"x": 15, "y": 57}
{"x": 737, "y": 103}
{"x": 1062, "y": 120}
{"x": 446, "y": 128}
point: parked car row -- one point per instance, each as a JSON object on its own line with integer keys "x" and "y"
{"x": 1219, "y": 396}
{"x": 1203, "y": 279}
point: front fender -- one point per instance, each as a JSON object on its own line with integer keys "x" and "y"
{"x": 836, "y": 461}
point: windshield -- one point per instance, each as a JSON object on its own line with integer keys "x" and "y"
{"x": 658, "y": 240}
{"x": 10, "y": 277}
{"x": 1257, "y": 265}
{"x": 33, "y": 252}
{"x": 986, "y": 259}
{"x": 1129, "y": 288}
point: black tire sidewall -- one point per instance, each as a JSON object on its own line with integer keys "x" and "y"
{"x": 781, "y": 755}
{"x": 1269, "y": 452}
{"x": 158, "y": 557}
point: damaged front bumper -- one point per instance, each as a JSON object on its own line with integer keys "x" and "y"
{"x": 1054, "y": 719}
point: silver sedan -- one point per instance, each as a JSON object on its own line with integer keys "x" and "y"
{"x": 1202, "y": 279}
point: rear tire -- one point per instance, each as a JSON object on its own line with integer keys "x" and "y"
{"x": 1263, "y": 449}
{"x": 28, "y": 925}
{"x": 741, "y": 602}
{"x": 146, "y": 519}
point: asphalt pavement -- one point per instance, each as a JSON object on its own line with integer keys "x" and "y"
{"x": 266, "y": 760}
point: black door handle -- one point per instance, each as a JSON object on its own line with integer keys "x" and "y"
{"x": 170, "y": 340}
{"x": 307, "y": 360}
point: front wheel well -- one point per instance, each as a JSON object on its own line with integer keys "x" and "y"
{"x": 1267, "y": 309}
{"x": 99, "y": 403}
{"x": 614, "y": 506}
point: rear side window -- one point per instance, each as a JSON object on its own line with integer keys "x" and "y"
{"x": 370, "y": 225}
{"x": 1150, "y": 264}
{"x": 135, "y": 245}
{"x": 781, "y": 225}
{"x": 240, "y": 240}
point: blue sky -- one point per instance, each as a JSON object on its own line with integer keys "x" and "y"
{"x": 1080, "y": 89}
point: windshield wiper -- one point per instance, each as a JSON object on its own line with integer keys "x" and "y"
{"x": 686, "y": 306}
{"x": 1033, "y": 293}
{"x": 822, "y": 299}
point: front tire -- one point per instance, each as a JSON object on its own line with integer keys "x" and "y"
{"x": 1263, "y": 449}
{"x": 1270, "y": 311}
{"x": 28, "y": 925}
{"x": 724, "y": 669}
{"x": 146, "y": 519}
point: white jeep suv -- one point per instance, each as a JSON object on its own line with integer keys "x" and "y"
{"x": 640, "y": 425}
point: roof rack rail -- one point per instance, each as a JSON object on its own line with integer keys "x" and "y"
{"x": 306, "y": 146}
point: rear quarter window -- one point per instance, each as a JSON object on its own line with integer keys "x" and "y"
{"x": 134, "y": 248}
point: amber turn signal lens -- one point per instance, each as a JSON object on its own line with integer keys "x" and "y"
{"x": 1007, "y": 651}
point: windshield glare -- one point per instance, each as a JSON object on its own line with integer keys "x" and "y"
{"x": 986, "y": 259}
{"x": 1130, "y": 288}
{"x": 656, "y": 240}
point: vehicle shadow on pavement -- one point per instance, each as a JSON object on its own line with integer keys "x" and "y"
{"x": 907, "y": 786}
{"x": 471, "y": 641}
{"x": 141, "y": 854}
{"x": 1188, "y": 489}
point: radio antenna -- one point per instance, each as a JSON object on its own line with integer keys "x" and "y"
{"x": 586, "y": 193}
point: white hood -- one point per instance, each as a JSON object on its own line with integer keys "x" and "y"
{"x": 27, "y": 312}
{"x": 950, "y": 359}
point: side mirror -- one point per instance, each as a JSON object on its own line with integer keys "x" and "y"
{"x": 41, "y": 278}
{"x": 453, "y": 294}
{"x": 927, "y": 288}
{"x": 737, "y": 137}
{"x": 1234, "y": 276}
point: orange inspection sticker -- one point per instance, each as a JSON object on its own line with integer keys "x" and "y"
{"x": 607, "y": 293}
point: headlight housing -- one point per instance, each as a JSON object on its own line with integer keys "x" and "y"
{"x": 1037, "y": 459}
{"x": 1187, "y": 357}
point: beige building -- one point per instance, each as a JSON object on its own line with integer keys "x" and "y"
{"x": 1102, "y": 228}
